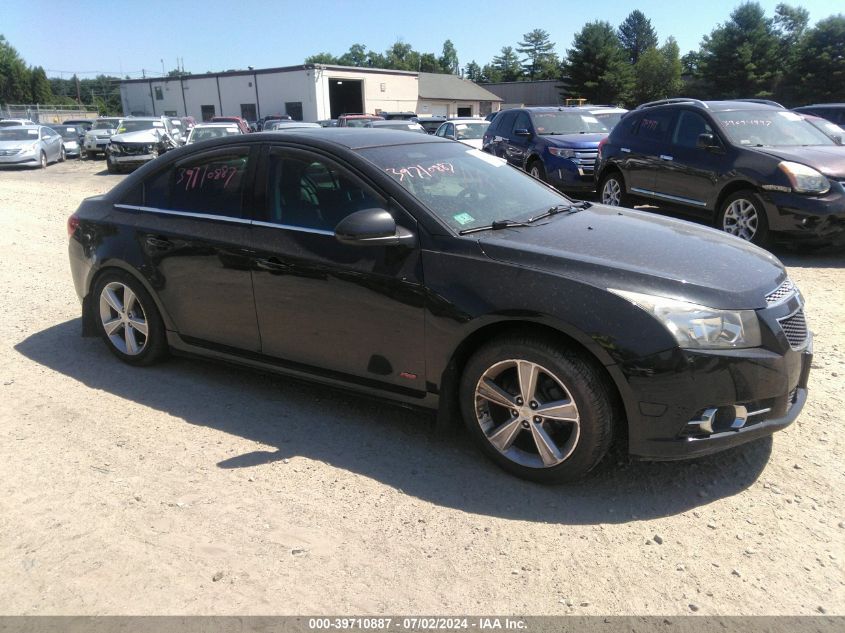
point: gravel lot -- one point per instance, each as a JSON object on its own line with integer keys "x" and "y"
{"x": 197, "y": 488}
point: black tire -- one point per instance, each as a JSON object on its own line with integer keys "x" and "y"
{"x": 583, "y": 385}
{"x": 537, "y": 170}
{"x": 612, "y": 192}
{"x": 732, "y": 218}
{"x": 111, "y": 166}
{"x": 152, "y": 346}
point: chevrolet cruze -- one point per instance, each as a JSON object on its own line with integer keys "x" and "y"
{"x": 425, "y": 271}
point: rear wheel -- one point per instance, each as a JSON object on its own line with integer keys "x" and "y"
{"x": 128, "y": 319}
{"x": 742, "y": 214}
{"x": 612, "y": 190}
{"x": 538, "y": 410}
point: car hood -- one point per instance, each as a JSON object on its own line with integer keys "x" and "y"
{"x": 828, "y": 159}
{"x": 17, "y": 144}
{"x": 609, "y": 247}
{"x": 575, "y": 141}
{"x": 141, "y": 136}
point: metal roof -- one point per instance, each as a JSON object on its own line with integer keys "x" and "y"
{"x": 452, "y": 87}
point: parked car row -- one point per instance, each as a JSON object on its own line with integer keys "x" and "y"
{"x": 751, "y": 167}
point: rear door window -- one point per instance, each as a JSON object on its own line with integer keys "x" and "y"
{"x": 212, "y": 183}
{"x": 654, "y": 126}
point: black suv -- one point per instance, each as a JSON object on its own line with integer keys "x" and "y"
{"x": 754, "y": 168}
{"x": 833, "y": 112}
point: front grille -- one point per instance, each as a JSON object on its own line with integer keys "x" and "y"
{"x": 586, "y": 159}
{"x": 783, "y": 291}
{"x": 795, "y": 329}
{"x": 131, "y": 149}
{"x": 9, "y": 152}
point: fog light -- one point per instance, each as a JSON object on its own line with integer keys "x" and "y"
{"x": 718, "y": 420}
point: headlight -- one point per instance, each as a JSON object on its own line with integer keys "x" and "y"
{"x": 561, "y": 152}
{"x": 699, "y": 327}
{"x": 804, "y": 179}
{"x": 113, "y": 149}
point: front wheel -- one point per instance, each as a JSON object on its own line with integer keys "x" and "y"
{"x": 42, "y": 164}
{"x": 742, "y": 214}
{"x": 111, "y": 165}
{"x": 612, "y": 190}
{"x": 62, "y": 155}
{"x": 128, "y": 319}
{"x": 538, "y": 410}
{"x": 536, "y": 170}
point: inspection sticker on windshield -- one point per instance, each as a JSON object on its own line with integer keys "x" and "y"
{"x": 463, "y": 218}
{"x": 487, "y": 158}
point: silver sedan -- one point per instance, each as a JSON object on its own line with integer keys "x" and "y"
{"x": 30, "y": 145}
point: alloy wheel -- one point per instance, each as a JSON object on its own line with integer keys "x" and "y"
{"x": 535, "y": 171}
{"x": 123, "y": 318}
{"x": 43, "y": 160}
{"x": 611, "y": 193}
{"x": 741, "y": 219}
{"x": 527, "y": 413}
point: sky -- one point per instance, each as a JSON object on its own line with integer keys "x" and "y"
{"x": 123, "y": 38}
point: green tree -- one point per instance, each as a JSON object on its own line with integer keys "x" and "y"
{"x": 507, "y": 65}
{"x": 355, "y": 56}
{"x": 658, "y": 73}
{"x": 402, "y": 56}
{"x": 472, "y": 71}
{"x": 490, "y": 74}
{"x": 449, "y": 59}
{"x": 14, "y": 75}
{"x": 819, "y": 68}
{"x": 321, "y": 58}
{"x": 540, "y": 59}
{"x": 597, "y": 66}
{"x": 40, "y": 91}
{"x": 743, "y": 57}
{"x": 429, "y": 63}
{"x": 637, "y": 35}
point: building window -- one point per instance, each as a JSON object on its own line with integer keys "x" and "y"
{"x": 207, "y": 112}
{"x": 170, "y": 113}
{"x": 294, "y": 109}
{"x": 159, "y": 94}
{"x": 248, "y": 112}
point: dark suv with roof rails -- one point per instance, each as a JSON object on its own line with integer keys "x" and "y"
{"x": 754, "y": 168}
{"x": 557, "y": 145}
{"x": 833, "y": 112}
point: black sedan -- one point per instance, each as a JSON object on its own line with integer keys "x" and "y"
{"x": 421, "y": 270}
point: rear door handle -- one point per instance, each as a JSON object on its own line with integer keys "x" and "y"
{"x": 272, "y": 264}
{"x": 665, "y": 157}
{"x": 159, "y": 243}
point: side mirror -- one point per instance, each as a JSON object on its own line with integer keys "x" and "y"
{"x": 451, "y": 136}
{"x": 707, "y": 141}
{"x": 372, "y": 227}
{"x": 522, "y": 132}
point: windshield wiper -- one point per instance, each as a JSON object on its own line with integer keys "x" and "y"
{"x": 497, "y": 225}
{"x": 560, "y": 208}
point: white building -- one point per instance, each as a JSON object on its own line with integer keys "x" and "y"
{"x": 311, "y": 93}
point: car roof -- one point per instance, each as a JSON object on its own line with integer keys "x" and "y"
{"x": 822, "y": 105}
{"x": 715, "y": 106}
{"x": 216, "y": 124}
{"x": 479, "y": 119}
{"x": 328, "y": 137}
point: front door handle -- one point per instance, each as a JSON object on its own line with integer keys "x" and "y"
{"x": 272, "y": 264}
{"x": 665, "y": 157}
{"x": 159, "y": 243}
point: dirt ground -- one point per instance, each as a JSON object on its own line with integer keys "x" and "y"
{"x": 197, "y": 488}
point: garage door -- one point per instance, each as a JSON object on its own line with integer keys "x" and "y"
{"x": 438, "y": 110}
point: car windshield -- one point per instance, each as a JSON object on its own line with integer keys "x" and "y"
{"x": 358, "y": 122}
{"x": 464, "y": 131}
{"x": 9, "y": 123}
{"x": 105, "y": 125}
{"x": 67, "y": 132}
{"x": 134, "y": 125}
{"x": 566, "y": 123}
{"x": 18, "y": 134}
{"x": 466, "y": 188}
{"x": 609, "y": 119}
{"x": 206, "y": 133}
{"x": 772, "y": 128}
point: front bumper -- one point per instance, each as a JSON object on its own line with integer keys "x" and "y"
{"x": 687, "y": 403}
{"x": 808, "y": 218}
{"x": 566, "y": 175}
{"x": 131, "y": 159}
{"x": 21, "y": 158}
{"x": 97, "y": 145}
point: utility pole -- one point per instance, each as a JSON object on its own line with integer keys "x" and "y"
{"x": 162, "y": 68}
{"x": 78, "y": 98}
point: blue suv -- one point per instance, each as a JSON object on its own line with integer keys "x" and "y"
{"x": 555, "y": 144}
